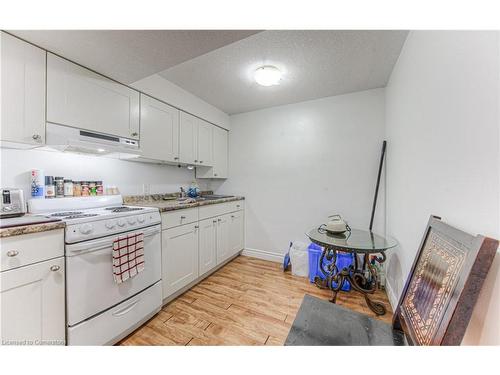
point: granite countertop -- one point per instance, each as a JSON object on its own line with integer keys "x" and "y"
{"x": 163, "y": 205}
{"x": 21, "y": 229}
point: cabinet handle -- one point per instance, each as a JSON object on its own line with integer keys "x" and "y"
{"x": 219, "y": 220}
{"x": 36, "y": 137}
{"x": 55, "y": 268}
{"x": 201, "y": 161}
{"x": 134, "y": 134}
{"x": 12, "y": 253}
{"x": 215, "y": 174}
{"x": 183, "y": 217}
{"x": 196, "y": 161}
{"x": 237, "y": 206}
{"x": 215, "y": 221}
{"x": 196, "y": 227}
{"x": 232, "y": 216}
{"x": 176, "y": 158}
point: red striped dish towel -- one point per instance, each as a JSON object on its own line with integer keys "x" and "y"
{"x": 128, "y": 256}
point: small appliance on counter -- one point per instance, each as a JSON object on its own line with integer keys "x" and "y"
{"x": 13, "y": 203}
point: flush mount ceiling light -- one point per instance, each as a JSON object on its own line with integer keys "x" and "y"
{"x": 268, "y": 75}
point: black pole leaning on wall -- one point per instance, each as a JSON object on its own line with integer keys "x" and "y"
{"x": 384, "y": 145}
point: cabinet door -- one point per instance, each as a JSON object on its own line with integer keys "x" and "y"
{"x": 188, "y": 139}
{"x": 83, "y": 99}
{"x": 179, "y": 257}
{"x": 236, "y": 231}
{"x": 32, "y": 304}
{"x": 207, "y": 245}
{"x": 220, "y": 152}
{"x": 223, "y": 251}
{"x": 205, "y": 144}
{"x": 23, "y": 92}
{"x": 159, "y": 130}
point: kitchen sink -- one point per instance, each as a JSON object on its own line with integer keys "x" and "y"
{"x": 213, "y": 197}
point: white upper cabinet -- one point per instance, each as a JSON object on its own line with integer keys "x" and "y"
{"x": 205, "y": 145}
{"x": 188, "y": 138}
{"x": 159, "y": 130}
{"x": 23, "y": 93}
{"x": 220, "y": 156}
{"x": 80, "y": 98}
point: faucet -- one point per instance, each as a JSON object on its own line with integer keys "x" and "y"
{"x": 183, "y": 193}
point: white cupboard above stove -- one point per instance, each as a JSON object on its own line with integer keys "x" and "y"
{"x": 23, "y": 93}
{"x": 159, "y": 130}
{"x": 81, "y": 98}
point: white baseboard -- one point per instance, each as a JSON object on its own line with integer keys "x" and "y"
{"x": 393, "y": 299}
{"x": 262, "y": 254}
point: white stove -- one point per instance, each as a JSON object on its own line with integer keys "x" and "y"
{"x": 98, "y": 310}
{"x": 93, "y": 217}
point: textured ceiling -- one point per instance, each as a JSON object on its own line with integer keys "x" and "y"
{"x": 130, "y": 55}
{"x": 315, "y": 64}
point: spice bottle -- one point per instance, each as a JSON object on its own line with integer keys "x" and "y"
{"x": 68, "y": 188}
{"x": 85, "y": 189}
{"x": 50, "y": 188}
{"x": 99, "y": 188}
{"x": 59, "y": 187}
{"x": 77, "y": 188}
{"x": 92, "y": 188}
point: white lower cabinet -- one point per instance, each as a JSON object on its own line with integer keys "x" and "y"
{"x": 223, "y": 251}
{"x": 179, "y": 257}
{"x": 32, "y": 304}
{"x": 236, "y": 231}
{"x": 190, "y": 251}
{"x": 207, "y": 245}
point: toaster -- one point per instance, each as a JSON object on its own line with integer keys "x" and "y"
{"x": 13, "y": 203}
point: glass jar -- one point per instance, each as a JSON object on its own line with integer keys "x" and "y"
{"x": 77, "y": 188}
{"x": 85, "y": 189}
{"x": 99, "y": 188}
{"x": 68, "y": 188}
{"x": 50, "y": 187}
{"x": 59, "y": 187}
{"x": 92, "y": 188}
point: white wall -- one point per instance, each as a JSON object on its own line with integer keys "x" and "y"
{"x": 442, "y": 114}
{"x": 298, "y": 163}
{"x": 128, "y": 176}
{"x": 160, "y": 88}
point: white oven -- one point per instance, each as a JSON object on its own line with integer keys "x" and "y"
{"x": 100, "y": 311}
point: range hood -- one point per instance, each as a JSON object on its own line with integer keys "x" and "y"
{"x": 67, "y": 139}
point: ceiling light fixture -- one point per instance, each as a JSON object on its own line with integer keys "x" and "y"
{"x": 267, "y": 75}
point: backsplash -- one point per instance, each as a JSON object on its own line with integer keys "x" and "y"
{"x": 131, "y": 178}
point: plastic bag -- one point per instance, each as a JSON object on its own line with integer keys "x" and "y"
{"x": 299, "y": 259}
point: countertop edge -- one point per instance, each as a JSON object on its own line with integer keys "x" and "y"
{"x": 159, "y": 204}
{"x": 31, "y": 228}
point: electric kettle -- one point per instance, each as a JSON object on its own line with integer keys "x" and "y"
{"x": 336, "y": 224}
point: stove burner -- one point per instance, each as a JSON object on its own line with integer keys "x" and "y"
{"x": 79, "y": 216}
{"x": 68, "y": 213}
{"x": 123, "y": 209}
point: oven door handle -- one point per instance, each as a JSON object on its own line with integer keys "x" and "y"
{"x": 104, "y": 243}
{"x": 126, "y": 309}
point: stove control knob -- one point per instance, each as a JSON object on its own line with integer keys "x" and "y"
{"x": 110, "y": 224}
{"x": 131, "y": 220}
{"x": 121, "y": 222}
{"x": 141, "y": 218}
{"x": 86, "y": 229}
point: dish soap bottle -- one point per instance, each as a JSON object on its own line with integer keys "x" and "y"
{"x": 193, "y": 190}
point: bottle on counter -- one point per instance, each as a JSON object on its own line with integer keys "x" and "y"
{"x": 77, "y": 188}
{"x": 59, "y": 187}
{"x": 68, "y": 188}
{"x": 37, "y": 183}
{"x": 50, "y": 187}
{"x": 85, "y": 189}
{"x": 99, "y": 188}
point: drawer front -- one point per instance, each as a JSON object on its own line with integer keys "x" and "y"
{"x": 220, "y": 209}
{"x": 179, "y": 217}
{"x": 18, "y": 251}
{"x": 115, "y": 323}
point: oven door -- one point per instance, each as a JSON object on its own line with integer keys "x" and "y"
{"x": 90, "y": 286}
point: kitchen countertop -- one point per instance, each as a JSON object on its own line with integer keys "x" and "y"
{"x": 172, "y": 205}
{"x": 19, "y": 230}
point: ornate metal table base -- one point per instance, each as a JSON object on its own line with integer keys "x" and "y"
{"x": 364, "y": 279}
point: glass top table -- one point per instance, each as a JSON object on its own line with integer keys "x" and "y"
{"x": 355, "y": 241}
{"x": 362, "y": 277}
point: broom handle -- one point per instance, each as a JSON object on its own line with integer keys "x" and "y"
{"x": 384, "y": 144}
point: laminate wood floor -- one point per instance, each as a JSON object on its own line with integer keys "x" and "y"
{"x": 249, "y": 301}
